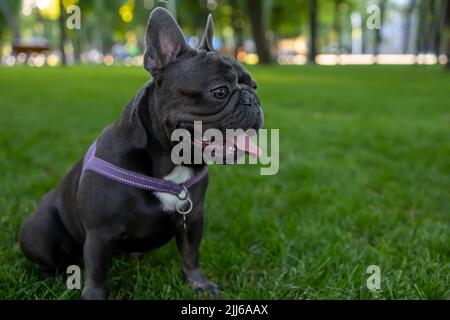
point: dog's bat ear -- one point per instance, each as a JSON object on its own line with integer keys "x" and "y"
{"x": 164, "y": 40}
{"x": 207, "y": 40}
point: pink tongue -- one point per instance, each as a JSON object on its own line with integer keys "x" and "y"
{"x": 244, "y": 143}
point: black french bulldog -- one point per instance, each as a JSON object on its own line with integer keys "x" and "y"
{"x": 96, "y": 216}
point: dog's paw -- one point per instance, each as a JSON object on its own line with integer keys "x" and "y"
{"x": 90, "y": 293}
{"x": 202, "y": 285}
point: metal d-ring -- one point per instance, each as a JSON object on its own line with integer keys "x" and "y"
{"x": 191, "y": 205}
{"x": 186, "y": 194}
{"x": 180, "y": 200}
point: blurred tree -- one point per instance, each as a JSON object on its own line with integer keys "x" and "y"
{"x": 257, "y": 22}
{"x": 340, "y": 22}
{"x": 8, "y": 13}
{"x": 364, "y": 32}
{"x": 337, "y": 24}
{"x": 104, "y": 12}
{"x": 312, "y": 31}
{"x": 408, "y": 24}
{"x": 421, "y": 27}
{"x": 238, "y": 24}
{"x": 62, "y": 33}
{"x": 101, "y": 20}
{"x": 447, "y": 32}
{"x": 439, "y": 8}
{"x": 81, "y": 39}
{"x": 288, "y": 17}
{"x": 378, "y": 39}
{"x": 431, "y": 15}
{"x": 430, "y": 22}
{"x": 192, "y": 16}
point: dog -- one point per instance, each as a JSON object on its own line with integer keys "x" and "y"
{"x": 93, "y": 216}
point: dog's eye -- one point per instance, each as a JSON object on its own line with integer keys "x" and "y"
{"x": 220, "y": 93}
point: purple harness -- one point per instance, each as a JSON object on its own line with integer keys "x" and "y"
{"x": 113, "y": 172}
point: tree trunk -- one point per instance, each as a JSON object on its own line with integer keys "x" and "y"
{"x": 255, "y": 10}
{"x": 62, "y": 33}
{"x": 407, "y": 30}
{"x": 76, "y": 43}
{"x": 10, "y": 20}
{"x": 440, "y": 8}
{"x": 102, "y": 34}
{"x": 364, "y": 33}
{"x": 236, "y": 23}
{"x": 378, "y": 39}
{"x": 337, "y": 25}
{"x": 418, "y": 46}
{"x": 431, "y": 18}
{"x": 447, "y": 32}
{"x": 312, "y": 51}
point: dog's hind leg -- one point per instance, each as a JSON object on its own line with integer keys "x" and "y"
{"x": 43, "y": 238}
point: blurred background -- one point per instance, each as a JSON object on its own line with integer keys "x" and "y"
{"x": 364, "y": 149}
{"x": 45, "y": 32}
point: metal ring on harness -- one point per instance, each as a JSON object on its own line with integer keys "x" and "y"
{"x": 186, "y": 194}
{"x": 184, "y": 212}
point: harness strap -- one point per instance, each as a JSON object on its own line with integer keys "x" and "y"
{"x": 113, "y": 172}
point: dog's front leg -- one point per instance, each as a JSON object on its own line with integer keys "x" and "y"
{"x": 188, "y": 243}
{"x": 97, "y": 253}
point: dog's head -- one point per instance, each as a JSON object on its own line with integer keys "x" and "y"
{"x": 198, "y": 84}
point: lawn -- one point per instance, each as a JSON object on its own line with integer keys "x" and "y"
{"x": 364, "y": 180}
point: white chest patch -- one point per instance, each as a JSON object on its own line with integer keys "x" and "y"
{"x": 179, "y": 174}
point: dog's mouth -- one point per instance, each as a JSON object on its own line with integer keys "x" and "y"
{"x": 235, "y": 146}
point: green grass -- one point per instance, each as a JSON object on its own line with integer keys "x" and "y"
{"x": 364, "y": 179}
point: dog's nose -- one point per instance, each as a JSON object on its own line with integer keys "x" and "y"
{"x": 246, "y": 98}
